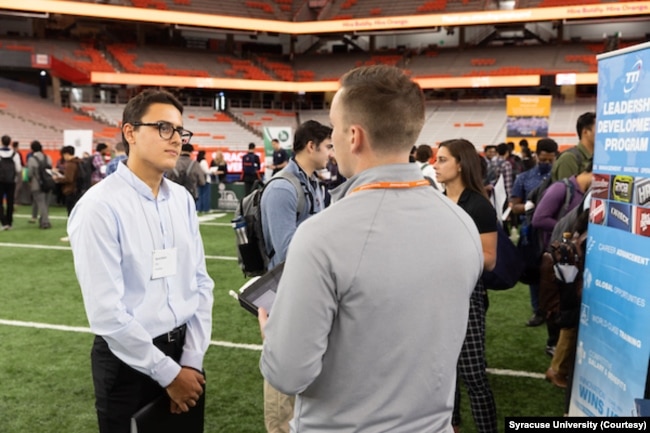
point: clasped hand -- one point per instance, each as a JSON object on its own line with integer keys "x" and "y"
{"x": 185, "y": 390}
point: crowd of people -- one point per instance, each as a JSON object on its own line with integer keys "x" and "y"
{"x": 21, "y": 179}
{"x": 324, "y": 358}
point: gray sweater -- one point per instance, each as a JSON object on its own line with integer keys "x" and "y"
{"x": 372, "y": 309}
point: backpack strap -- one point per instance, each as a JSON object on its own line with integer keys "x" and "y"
{"x": 431, "y": 182}
{"x": 300, "y": 192}
{"x": 578, "y": 155}
{"x": 568, "y": 196}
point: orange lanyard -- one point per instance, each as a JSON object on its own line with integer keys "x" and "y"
{"x": 391, "y": 185}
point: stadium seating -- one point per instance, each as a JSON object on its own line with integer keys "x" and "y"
{"x": 431, "y": 62}
{"x": 482, "y": 122}
{"x": 25, "y": 118}
{"x": 212, "y": 129}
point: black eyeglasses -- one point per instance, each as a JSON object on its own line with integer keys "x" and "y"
{"x": 166, "y": 130}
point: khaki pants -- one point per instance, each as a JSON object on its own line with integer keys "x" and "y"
{"x": 565, "y": 351}
{"x": 278, "y": 409}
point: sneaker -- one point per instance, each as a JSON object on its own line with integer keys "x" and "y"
{"x": 7, "y": 227}
{"x": 65, "y": 239}
{"x": 46, "y": 226}
{"x": 32, "y": 221}
{"x": 550, "y": 351}
{"x": 536, "y": 320}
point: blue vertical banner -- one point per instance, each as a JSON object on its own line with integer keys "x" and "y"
{"x": 614, "y": 337}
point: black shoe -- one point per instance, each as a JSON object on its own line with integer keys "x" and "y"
{"x": 536, "y": 320}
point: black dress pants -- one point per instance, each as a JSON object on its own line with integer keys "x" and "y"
{"x": 120, "y": 391}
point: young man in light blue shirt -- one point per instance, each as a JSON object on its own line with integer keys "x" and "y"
{"x": 140, "y": 263}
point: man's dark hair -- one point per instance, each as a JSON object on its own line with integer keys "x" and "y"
{"x": 502, "y": 149}
{"x": 137, "y": 107}
{"x": 67, "y": 150}
{"x": 489, "y": 146}
{"x": 586, "y": 120}
{"x": 423, "y": 153}
{"x": 6, "y": 140}
{"x": 251, "y": 146}
{"x": 523, "y": 143}
{"x": 310, "y": 130}
{"x": 546, "y": 145}
{"x": 36, "y": 146}
{"x": 101, "y": 146}
{"x": 187, "y": 148}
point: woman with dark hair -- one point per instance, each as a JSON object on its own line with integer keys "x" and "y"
{"x": 458, "y": 167}
{"x": 203, "y": 202}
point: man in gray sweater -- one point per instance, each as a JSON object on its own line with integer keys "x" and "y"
{"x": 371, "y": 311}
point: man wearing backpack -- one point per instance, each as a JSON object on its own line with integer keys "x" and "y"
{"x": 527, "y": 181}
{"x": 9, "y": 169}
{"x": 41, "y": 198}
{"x": 574, "y": 160}
{"x": 312, "y": 147}
{"x": 187, "y": 172}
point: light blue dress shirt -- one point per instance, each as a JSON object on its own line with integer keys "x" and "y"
{"x": 114, "y": 230}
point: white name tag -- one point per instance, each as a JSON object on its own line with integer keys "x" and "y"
{"x": 164, "y": 263}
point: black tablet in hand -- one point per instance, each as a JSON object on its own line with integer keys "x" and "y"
{"x": 261, "y": 291}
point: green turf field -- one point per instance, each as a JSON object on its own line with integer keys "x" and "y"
{"x": 45, "y": 381}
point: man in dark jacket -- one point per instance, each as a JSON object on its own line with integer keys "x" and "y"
{"x": 250, "y": 173}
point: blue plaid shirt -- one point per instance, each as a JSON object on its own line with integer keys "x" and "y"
{"x": 526, "y": 182}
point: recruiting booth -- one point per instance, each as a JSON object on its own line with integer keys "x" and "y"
{"x": 613, "y": 343}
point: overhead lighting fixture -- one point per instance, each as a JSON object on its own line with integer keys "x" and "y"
{"x": 214, "y": 31}
{"x": 43, "y": 15}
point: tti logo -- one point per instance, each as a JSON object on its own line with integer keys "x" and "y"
{"x": 632, "y": 77}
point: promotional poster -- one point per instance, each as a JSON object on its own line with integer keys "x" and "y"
{"x": 613, "y": 340}
{"x": 528, "y": 117}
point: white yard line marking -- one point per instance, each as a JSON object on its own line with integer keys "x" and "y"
{"x": 210, "y": 216}
{"x": 52, "y": 217}
{"x": 34, "y": 246}
{"x": 256, "y": 347}
{"x": 221, "y": 258}
{"x": 80, "y": 329}
{"x": 56, "y": 247}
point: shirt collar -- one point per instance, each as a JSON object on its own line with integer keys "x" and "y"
{"x": 142, "y": 188}
{"x": 404, "y": 172}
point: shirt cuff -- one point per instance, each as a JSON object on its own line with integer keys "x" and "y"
{"x": 166, "y": 371}
{"x": 193, "y": 359}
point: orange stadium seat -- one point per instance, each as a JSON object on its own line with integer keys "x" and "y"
{"x": 433, "y": 6}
